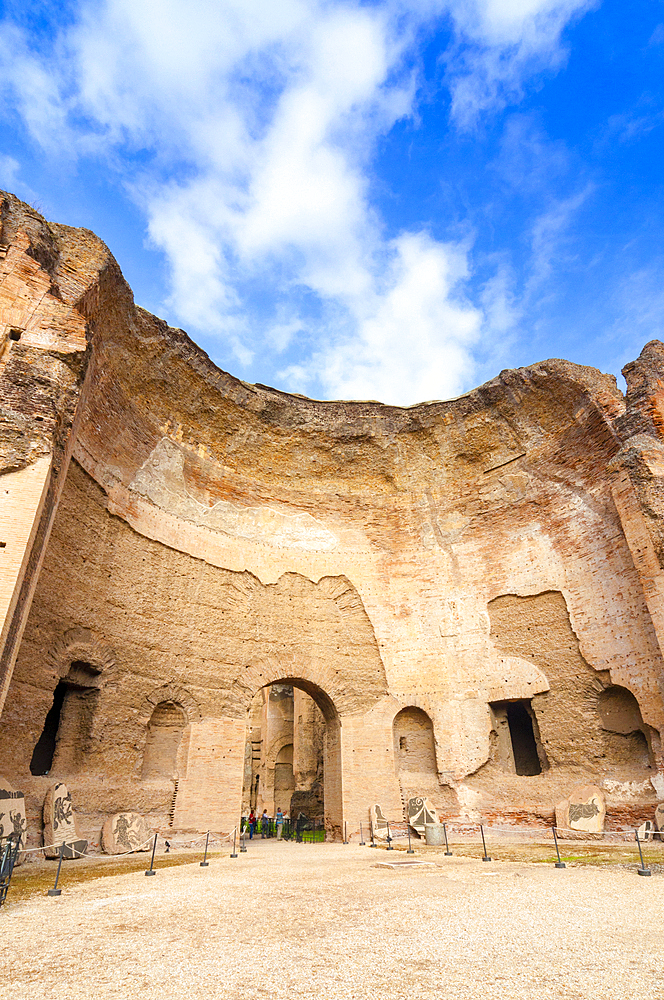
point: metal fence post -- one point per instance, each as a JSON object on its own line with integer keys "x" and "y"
{"x": 486, "y": 856}
{"x": 559, "y": 863}
{"x": 448, "y": 853}
{"x": 205, "y": 863}
{"x": 55, "y": 891}
{"x": 642, "y": 870}
{"x": 389, "y": 838}
{"x": 151, "y": 870}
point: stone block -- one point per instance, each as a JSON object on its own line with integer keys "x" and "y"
{"x": 659, "y": 816}
{"x": 379, "y": 823}
{"x": 125, "y": 832}
{"x": 646, "y": 831}
{"x": 581, "y": 816}
{"x": 435, "y": 835}
{"x": 12, "y": 813}
{"x": 60, "y": 824}
{"x": 420, "y": 812}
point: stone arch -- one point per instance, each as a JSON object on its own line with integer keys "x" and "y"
{"x": 81, "y": 661}
{"x": 81, "y": 645}
{"x": 319, "y": 680}
{"x": 414, "y": 743}
{"x": 164, "y": 736}
{"x": 627, "y": 737}
{"x": 352, "y": 673}
{"x": 275, "y": 749}
{"x": 270, "y": 671}
{"x": 170, "y": 693}
{"x": 157, "y": 744}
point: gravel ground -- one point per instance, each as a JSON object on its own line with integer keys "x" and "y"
{"x": 298, "y": 920}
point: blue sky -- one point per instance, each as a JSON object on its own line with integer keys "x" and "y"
{"x": 356, "y": 200}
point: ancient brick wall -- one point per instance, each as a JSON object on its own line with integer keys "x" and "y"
{"x": 447, "y": 560}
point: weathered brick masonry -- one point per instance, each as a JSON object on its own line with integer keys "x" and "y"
{"x": 470, "y": 590}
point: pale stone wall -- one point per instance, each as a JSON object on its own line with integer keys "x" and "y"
{"x": 213, "y": 538}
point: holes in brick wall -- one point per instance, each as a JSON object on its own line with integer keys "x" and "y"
{"x": 15, "y": 334}
{"x": 3, "y": 545}
{"x": 42, "y": 755}
{"x": 519, "y": 746}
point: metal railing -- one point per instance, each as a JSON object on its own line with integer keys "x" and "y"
{"x": 9, "y": 853}
{"x": 302, "y": 830}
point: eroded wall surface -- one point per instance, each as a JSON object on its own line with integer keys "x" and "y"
{"x": 450, "y": 558}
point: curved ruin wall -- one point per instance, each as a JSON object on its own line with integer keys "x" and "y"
{"x": 218, "y": 536}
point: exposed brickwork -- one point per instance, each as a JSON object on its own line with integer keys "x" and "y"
{"x": 214, "y": 537}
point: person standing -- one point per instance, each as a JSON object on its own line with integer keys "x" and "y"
{"x": 280, "y": 823}
{"x": 252, "y": 824}
{"x": 265, "y": 824}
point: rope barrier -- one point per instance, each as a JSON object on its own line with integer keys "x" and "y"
{"x": 470, "y": 828}
{"x": 82, "y": 854}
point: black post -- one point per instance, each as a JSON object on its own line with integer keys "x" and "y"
{"x": 345, "y": 832}
{"x": 313, "y": 836}
{"x": 410, "y": 849}
{"x": 205, "y": 863}
{"x": 373, "y": 842}
{"x": 154, "y": 848}
{"x": 559, "y": 863}
{"x": 234, "y": 854}
{"x": 389, "y": 839}
{"x": 486, "y": 856}
{"x": 448, "y": 853}
{"x": 361, "y": 837}
{"x": 642, "y": 870}
{"x": 55, "y": 891}
{"x": 243, "y": 840}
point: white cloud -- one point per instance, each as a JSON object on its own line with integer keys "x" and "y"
{"x": 9, "y": 168}
{"x": 550, "y": 236}
{"x": 412, "y": 338}
{"x": 245, "y": 131}
{"x": 502, "y": 44}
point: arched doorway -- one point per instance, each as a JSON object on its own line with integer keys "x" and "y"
{"x": 293, "y": 754}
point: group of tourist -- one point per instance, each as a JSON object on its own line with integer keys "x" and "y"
{"x": 262, "y": 823}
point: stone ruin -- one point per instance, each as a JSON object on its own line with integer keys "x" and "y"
{"x": 61, "y": 824}
{"x": 218, "y": 596}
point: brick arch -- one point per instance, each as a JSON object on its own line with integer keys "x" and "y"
{"x": 275, "y": 749}
{"x": 170, "y": 692}
{"x": 330, "y": 615}
{"x": 320, "y": 681}
{"x": 325, "y": 686}
{"x": 413, "y": 725}
{"x": 81, "y": 644}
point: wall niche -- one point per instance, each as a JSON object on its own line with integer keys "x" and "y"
{"x": 165, "y": 729}
{"x": 518, "y": 745}
{"x": 65, "y": 738}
